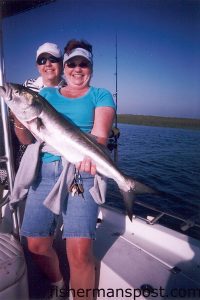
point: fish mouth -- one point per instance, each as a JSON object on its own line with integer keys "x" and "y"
{"x": 3, "y": 90}
{"x": 6, "y": 92}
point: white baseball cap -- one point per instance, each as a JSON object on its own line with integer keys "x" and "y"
{"x": 50, "y": 48}
{"x": 78, "y": 52}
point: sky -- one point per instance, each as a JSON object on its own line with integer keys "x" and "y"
{"x": 158, "y": 44}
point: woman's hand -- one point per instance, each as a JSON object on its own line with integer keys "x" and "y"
{"x": 86, "y": 166}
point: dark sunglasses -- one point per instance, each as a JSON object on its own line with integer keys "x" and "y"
{"x": 52, "y": 59}
{"x": 73, "y": 65}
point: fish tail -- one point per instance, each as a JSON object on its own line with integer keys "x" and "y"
{"x": 129, "y": 191}
{"x": 128, "y": 198}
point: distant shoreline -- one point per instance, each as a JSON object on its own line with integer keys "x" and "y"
{"x": 185, "y": 123}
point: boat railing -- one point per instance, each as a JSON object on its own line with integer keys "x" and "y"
{"x": 187, "y": 222}
{"x": 154, "y": 215}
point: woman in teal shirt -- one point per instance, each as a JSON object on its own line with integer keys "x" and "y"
{"x": 92, "y": 110}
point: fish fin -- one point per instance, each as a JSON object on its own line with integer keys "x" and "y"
{"x": 137, "y": 186}
{"x": 134, "y": 187}
{"x": 128, "y": 198}
{"x": 141, "y": 188}
{"x": 39, "y": 123}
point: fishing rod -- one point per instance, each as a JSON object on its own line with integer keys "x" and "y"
{"x": 112, "y": 143}
{"x": 116, "y": 132}
{"x": 116, "y": 80}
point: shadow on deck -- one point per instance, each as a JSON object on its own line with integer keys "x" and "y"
{"x": 38, "y": 283}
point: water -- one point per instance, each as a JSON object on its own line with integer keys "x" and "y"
{"x": 167, "y": 159}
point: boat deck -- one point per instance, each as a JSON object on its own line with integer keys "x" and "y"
{"x": 137, "y": 255}
{"x": 134, "y": 260}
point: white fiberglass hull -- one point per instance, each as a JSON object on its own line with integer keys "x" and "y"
{"x": 130, "y": 256}
{"x": 137, "y": 254}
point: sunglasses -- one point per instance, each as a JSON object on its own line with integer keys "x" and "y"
{"x": 52, "y": 59}
{"x": 73, "y": 65}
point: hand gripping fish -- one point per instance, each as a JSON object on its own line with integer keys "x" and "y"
{"x": 46, "y": 123}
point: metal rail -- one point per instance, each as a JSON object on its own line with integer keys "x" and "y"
{"x": 8, "y": 157}
{"x": 187, "y": 223}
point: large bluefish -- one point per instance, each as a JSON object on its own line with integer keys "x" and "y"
{"x": 73, "y": 144}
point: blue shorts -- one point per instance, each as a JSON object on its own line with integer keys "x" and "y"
{"x": 79, "y": 214}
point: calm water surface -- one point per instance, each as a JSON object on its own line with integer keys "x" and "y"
{"x": 167, "y": 159}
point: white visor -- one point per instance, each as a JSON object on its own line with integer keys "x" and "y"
{"x": 78, "y": 52}
{"x": 49, "y": 48}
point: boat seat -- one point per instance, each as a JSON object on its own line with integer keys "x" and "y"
{"x": 13, "y": 272}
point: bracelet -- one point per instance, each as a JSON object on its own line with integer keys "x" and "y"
{"x": 18, "y": 127}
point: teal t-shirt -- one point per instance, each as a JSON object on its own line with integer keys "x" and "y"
{"x": 79, "y": 111}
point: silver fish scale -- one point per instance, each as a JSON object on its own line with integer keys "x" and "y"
{"x": 67, "y": 139}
